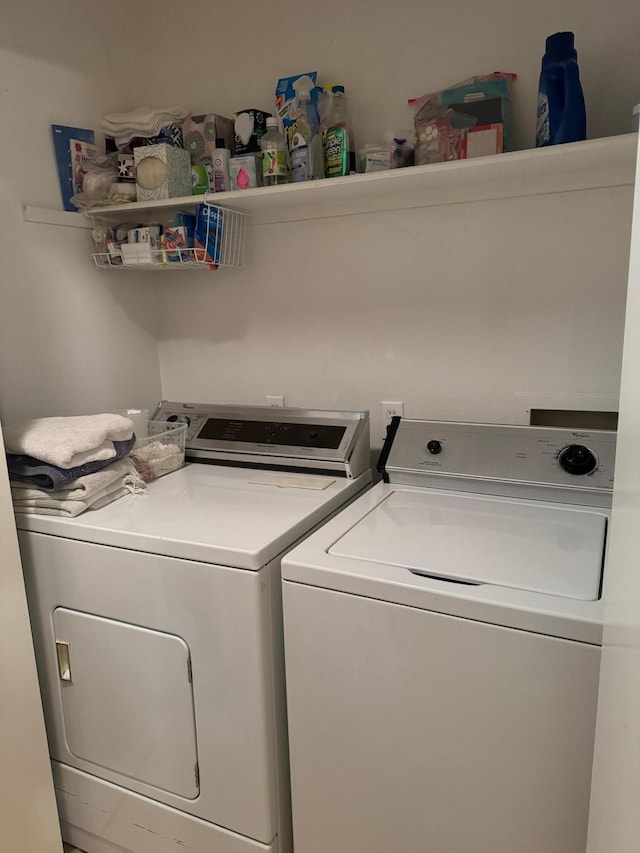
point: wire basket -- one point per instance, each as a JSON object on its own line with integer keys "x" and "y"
{"x": 222, "y": 244}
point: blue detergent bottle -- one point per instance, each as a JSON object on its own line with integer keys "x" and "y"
{"x": 561, "y": 112}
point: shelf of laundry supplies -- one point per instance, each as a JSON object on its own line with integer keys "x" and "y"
{"x": 594, "y": 164}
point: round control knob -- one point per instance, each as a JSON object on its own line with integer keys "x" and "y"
{"x": 183, "y": 419}
{"x": 577, "y": 459}
{"x": 434, "y": 447}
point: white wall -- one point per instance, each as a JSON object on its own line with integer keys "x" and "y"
{"x": 614, "y": 817}
{"x": 72, "y": 339}
{"x": 453, "y": 310}
{"x": 230, "y": 55}
{"x": 377, "y": 307}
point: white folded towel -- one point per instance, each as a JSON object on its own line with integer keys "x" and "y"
{"x": 68, "y": 442}
{"x": 123, "y": 127}
{"x": 83, "y": 488}
{"x": 69, "y": 509}
{"x": 90, "y": 492}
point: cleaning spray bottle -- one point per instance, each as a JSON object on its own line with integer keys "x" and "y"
{"x": 339, "y": 149}
{"x": 305, "y": 147}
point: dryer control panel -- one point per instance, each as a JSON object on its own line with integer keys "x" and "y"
{"x": 262, "y": 436}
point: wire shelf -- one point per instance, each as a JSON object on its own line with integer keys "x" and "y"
{"x": 222, "y": 245}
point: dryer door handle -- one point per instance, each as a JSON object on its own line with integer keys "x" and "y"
{"x": 64, "y": 660}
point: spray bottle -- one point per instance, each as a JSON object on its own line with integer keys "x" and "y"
{"x": 339, "y": 149}
{"x": 305, "y": 143}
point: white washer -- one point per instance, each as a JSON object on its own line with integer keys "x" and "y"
{"x": 442, "y": 646}
{"x": 158, "y": 633}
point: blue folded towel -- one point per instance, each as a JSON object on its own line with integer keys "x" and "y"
{"x": 51, "y": 478}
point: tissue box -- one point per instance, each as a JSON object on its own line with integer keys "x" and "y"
{"x": 162, "y": 171}
{"x": 249, "y": 126}
{"x": 200, "y": 132}
{"x": 245, "y": 172}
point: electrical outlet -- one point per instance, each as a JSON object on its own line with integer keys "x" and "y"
{"x": 275, "y": 402}
{"x": 391, "y": 410}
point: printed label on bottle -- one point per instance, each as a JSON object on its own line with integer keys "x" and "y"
{"x": 336, "y": 153}
{"x": 300, "y": 166}
{"x": 274, "y": 163}
{"x": 543, "y": 132}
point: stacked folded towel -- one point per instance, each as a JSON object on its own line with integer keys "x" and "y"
{"x": 63, "y": 466}
{"x": 123, "y": 127}
{"x": 89, "y": 492}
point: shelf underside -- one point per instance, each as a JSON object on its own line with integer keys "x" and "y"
{"x": 594, "y": 164}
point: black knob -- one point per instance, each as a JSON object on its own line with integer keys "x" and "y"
{"x": 434, "y": 447}
{"x": 577, "y": 459}
{"x": 183, "y": 419}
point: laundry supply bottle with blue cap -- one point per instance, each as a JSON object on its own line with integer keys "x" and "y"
{"x": 561, "y": 110}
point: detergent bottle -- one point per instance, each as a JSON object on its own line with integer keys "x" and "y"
{"x": 561, "y": 110}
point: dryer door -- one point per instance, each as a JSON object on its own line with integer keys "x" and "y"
{"x": 127, "y": 702}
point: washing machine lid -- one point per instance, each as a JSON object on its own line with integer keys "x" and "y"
{"x": 476, "y": 540}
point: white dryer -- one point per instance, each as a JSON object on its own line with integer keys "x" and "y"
{"x": 442, "y": 645}
{"x": 158, "y": 633}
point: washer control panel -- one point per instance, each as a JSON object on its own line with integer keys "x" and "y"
{"x": 494, "y": 452}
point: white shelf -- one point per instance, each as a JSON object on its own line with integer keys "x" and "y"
{"x": 596, "y": 163}
{"x": 44, "y": 216}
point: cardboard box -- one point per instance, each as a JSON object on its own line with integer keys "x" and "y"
{"x": 200, "y": 133}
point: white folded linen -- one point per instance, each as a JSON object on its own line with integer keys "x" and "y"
{"x": 90, "y": 492}
{"x": 68, "y": 442}
{"x": 69, "y": 509}
{"x": 82, "y": 488}
{"x": 145, "y": 122}
{"x": 144, "y": 117}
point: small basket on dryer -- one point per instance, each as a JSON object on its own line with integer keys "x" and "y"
{"x": 161, "y": 451}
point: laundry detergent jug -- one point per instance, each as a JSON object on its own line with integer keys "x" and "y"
{"x": 561, "y": 111}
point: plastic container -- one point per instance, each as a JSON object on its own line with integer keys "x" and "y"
{"x": 221, "y": 176}
{"x": 275, "y": 165}
{"x": 160, "y": 451}
{"x": 561, "y": 110}
{"x": 305, "y": 146}
{"x": 337, "y": 137}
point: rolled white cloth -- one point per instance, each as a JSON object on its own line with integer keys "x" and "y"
{"x": 68, "y": 442}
